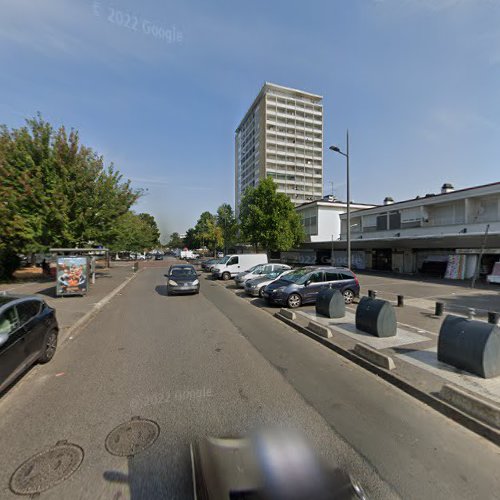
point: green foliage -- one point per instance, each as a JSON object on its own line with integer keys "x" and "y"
{"x": 55, "y": 191}
{"x": 228, "y": 224}
{"x": 269, "y": 219}
{"x": 208, "y": 232}
{"x": 134, "y": 233}
{"x": 150, "y": 221}
{"x": 175, "y": 241}
{"x": 191, "y": 239}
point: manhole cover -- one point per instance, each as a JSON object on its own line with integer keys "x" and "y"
{"x": 46, "y": 469}
{"x": 132, "y": 437}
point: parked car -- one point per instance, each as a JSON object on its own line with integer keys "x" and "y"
{"x": 303, "y": 285}
{"x": 207, "y": 265}
{"x": 182, "y": 278}
{"x": 231, "y": 265}
{"x": 158, "y": 256}
{"x": 257, "y": 271}
{"x": 255, "y": 287}
{"x": 28, "y": 334}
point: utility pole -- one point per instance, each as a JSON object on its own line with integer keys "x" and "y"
{"x": 348, "y": 205}
{"x": 332, "y": 260}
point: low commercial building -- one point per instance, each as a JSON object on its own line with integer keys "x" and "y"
{"x": 443, "y": 234}
{"x": 321, "y": 221}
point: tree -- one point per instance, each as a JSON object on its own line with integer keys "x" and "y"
{"x": 175, "y": 241}
{"x": 155, "y": 232}
{"x": 133, "y": 233}
{"x": 191, "y": 239}
{"x": 228, "y": 224}
{"x": 208, "y": 232}
{"x": 269, "y": 219}
{"x": 55, "y": 191}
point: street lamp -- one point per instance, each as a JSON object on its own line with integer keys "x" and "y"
{"x": 346, "y": 154}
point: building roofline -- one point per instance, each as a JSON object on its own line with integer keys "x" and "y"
{"x": 269, "y": 85}
{"x": 337, "y": 203}
{"x": 291, "y": 89}
{"x": 433, "y": 197}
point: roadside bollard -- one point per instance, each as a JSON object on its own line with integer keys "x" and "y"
{"x": 471, "y": 313}
{"x": 372, "y": 294}
{"x": 493, "y": 317}
{"x": 401, "y": 300}
{"x": 439, "y": 309}
{"x": 135, "y": 267}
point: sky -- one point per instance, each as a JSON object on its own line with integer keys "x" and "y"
{"x": 158, "y": 87}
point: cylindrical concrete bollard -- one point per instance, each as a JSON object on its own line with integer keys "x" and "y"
{"x": 471, "y": 313}
{"x": 439, "y": 309}
{"x": 372, "y": 294}
{"x": 401, "y": 300}
{"x": 493, "y": 317}
{"x": 470, "y": 345}
{"x": 330, "y": 303}
{"x": 376, "y": 317}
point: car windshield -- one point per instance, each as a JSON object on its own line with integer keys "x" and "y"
{"x": 273, "y": 275}
{"x": 298, "y": 276}
{"x": 225, "y": 259}
{"x": 254, "y": 268}
{"x": 183, "y": 272}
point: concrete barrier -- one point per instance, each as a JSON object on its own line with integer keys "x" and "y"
{"x": 376, "y": 317}
{"x": 288, "y": 314}
{"x": 330, "y": 303}
{"x": 473, "y": 405}
{"x": 375, "y": 357}
{"x": 319, "y": 329}
{"x": 470, "y": 345}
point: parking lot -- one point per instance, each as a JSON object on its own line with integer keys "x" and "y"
{"x": 420, "y": 297}
{"x": 458, "y": 297}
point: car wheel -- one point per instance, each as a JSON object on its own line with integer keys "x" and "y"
{"x": 261, "y": 292}
{"x": 226, "y": 276}
{"x": 294, "y": 300}
{"x": 49, "y": 346}
{"x": 348, "y": 296}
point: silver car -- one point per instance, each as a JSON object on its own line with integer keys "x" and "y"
{"x": 258, "y": 271}
{"x": 255, "y": 287}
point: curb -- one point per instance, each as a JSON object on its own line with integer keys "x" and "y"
{"x": 434, "y": 402}
{"x": 470, "y": 403}
{"x": 88, "y": 316}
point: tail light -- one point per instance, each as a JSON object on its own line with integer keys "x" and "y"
{"x": 356, "y": 279}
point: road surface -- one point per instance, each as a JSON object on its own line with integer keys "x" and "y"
{"x": 214, "y": 364}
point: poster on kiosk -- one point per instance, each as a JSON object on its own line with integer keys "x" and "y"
{"x": 72, "y": 276}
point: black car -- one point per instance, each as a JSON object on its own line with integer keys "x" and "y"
{"x": 159, "y": 256}
{"x": 28, "y": 334}
{"x": 301, "y": 286}
{"x": 182, "y": 278}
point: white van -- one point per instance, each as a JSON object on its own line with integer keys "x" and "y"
{"x": 231, "y": 265}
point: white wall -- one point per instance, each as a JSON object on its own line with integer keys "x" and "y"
{"x": 428, "y": 230}
{"x": 328, "y": 224}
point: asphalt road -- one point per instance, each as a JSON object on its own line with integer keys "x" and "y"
{"x": 214, "y": 364}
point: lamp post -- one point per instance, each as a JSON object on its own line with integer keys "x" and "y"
{"x": 346, "y": 154}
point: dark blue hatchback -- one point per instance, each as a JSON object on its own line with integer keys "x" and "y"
{"x": 303, "y": 285}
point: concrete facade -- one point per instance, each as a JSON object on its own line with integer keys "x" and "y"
{"x": 420, "y": 235}
{"x": 281, "y": 136}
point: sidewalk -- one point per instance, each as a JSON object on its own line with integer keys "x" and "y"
{"x": 69, "y": 310}
{"x": 414, "y": 354}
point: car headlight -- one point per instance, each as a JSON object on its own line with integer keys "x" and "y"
{"x": 172, "y": 282}
{"x": 196, "y": 282}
